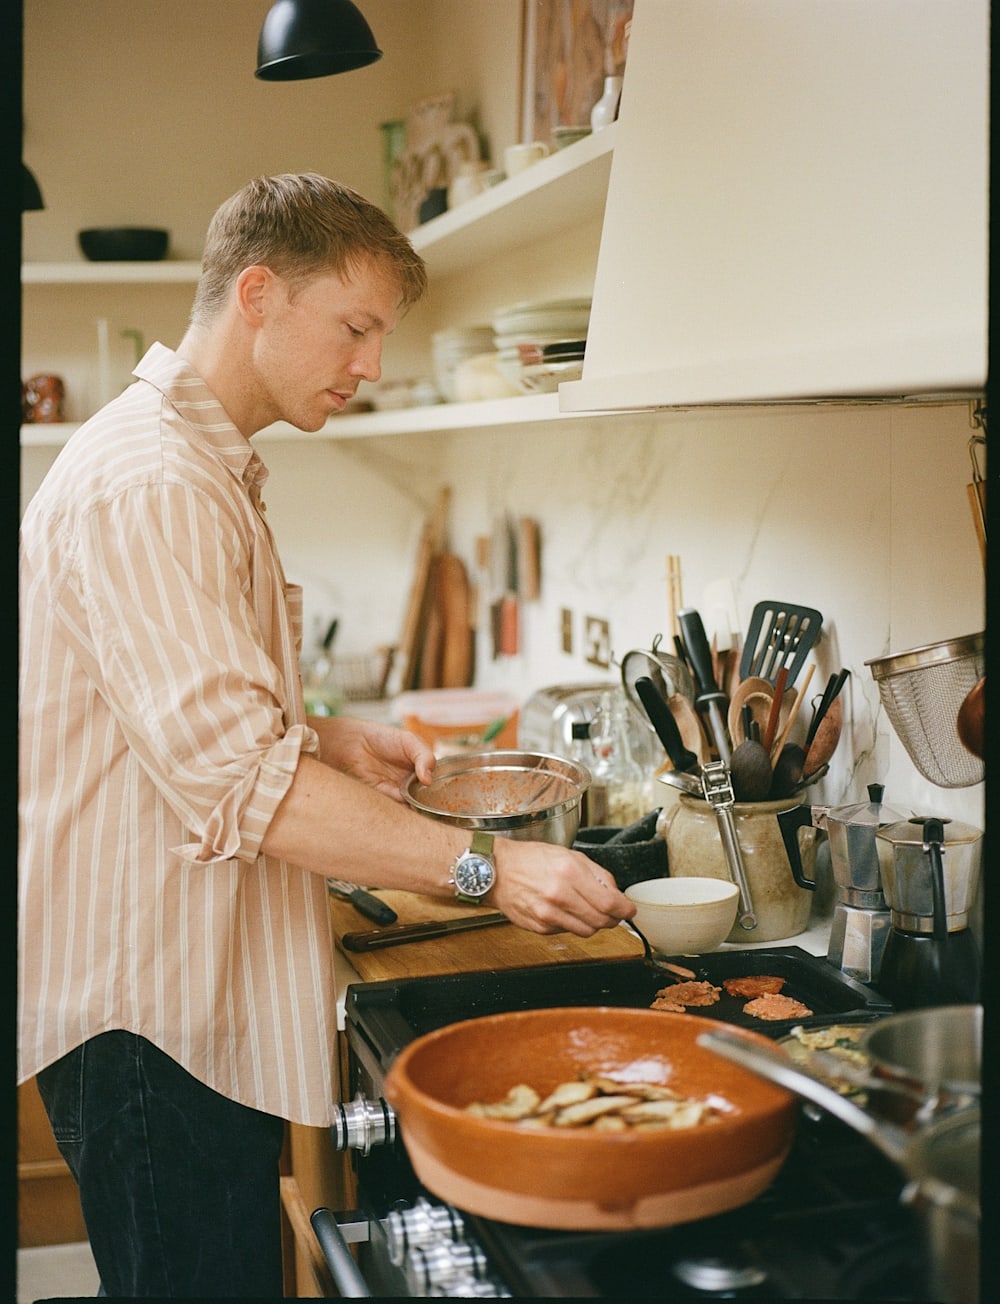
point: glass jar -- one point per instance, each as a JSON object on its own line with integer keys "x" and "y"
{"x": 619, "y": 790}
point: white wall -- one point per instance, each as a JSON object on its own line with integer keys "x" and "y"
{"x": 861, "y": 512}
{"x": 149, "y": 113}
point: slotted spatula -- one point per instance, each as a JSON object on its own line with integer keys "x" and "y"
{"x": 780, "y": 636}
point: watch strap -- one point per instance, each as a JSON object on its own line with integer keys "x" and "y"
{"x": 482, "y": 843}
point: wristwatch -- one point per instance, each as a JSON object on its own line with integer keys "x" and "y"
{"x": 474, "y": 873}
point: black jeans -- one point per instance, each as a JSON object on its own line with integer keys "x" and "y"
{"x": 179, "y": 1185}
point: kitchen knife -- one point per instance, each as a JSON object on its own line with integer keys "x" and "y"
{"x": 376, "y": 938}
{"x": 709, "y": 698}
{"x": 370, "y": 906}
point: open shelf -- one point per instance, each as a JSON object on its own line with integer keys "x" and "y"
{"x": 398, "y": 421}
{"x": 552, "y": 195}
{"x": 83, "y": 273}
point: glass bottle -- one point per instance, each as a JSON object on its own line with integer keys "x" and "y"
{"x": 580, "y": 751}
{"x": 619, "y": 791}
{"x": 319, "y": 686}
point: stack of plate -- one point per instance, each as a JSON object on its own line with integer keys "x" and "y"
{"x": 451, "y": 347}
{"x": 541, "y": 344}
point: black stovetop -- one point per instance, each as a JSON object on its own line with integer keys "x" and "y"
{"x": 393, "y": 1013}
{"x": 830, "y": 1227}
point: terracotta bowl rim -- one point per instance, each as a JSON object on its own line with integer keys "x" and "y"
{"x": 396, "y": 1085}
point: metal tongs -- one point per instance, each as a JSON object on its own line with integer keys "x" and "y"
{"x": 717, "y": 788}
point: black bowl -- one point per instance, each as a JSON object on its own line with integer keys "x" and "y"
{"x": 116, "y": 244}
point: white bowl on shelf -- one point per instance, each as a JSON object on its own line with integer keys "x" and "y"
{"x": 546, "y": 377}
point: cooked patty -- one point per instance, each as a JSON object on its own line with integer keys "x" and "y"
{"x": 773, "y": 1006}
{"x": 753, "y": 985}
{"x": 689, "y": 993}
{"x": 675, "y": 1007}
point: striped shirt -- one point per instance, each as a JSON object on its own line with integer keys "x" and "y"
{"x": 161, "y": 724}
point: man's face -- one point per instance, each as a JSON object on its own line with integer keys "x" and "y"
{"x": 318, "y": 342}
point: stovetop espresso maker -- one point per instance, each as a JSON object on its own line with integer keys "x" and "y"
{"x": 931, "y": 879}
{"x": 861, "y": 916}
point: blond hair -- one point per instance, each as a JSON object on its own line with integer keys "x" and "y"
{"x": 300, "y": 225}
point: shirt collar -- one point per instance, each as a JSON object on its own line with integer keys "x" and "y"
{"x": 198, "y": 407}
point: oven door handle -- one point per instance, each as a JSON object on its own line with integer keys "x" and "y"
{"x": 346, "y": 1274}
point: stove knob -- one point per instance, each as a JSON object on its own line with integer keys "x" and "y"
{"x": 432, "y": 1269}
{"x": 469, "y": 1288}
{"x": 423, "y": 1224}
{"x": 718, "y": 1275}
{"x": 363, "y": 1124}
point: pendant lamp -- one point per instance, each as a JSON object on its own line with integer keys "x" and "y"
{"x": 313, "y": 38}
{"x": 31, "y": 195}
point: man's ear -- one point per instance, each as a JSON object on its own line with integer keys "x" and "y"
{"x": 254, "y": 286}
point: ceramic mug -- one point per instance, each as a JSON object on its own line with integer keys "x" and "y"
{"x": 518, "y": 157}
{"x": 468, "y": 181}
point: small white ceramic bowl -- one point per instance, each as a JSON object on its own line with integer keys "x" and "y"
{"x": 685, "y": 916}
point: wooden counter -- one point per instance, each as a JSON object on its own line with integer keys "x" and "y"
{"x": 502, "y": 947}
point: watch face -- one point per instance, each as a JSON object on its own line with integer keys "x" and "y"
{"x": 474, "y": 875}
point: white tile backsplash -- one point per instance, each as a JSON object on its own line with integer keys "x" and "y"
{"x": 860, "y": 511}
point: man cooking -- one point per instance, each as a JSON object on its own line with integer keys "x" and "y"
{"x": 179, "y": 813}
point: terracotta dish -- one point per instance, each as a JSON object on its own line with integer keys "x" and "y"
{"x": 573, "y": 1178}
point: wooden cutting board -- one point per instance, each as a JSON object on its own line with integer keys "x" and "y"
{"x": 445, "y": 655}
{"x": 503, "y": 947}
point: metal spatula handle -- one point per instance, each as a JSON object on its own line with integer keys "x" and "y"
{"x": 718, "y": 789}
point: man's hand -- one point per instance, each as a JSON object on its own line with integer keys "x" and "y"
{"x": 552, "y": 889}
{"x": 380, "y": 755}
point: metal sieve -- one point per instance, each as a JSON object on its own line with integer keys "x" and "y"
{"x": 922, "y": 691}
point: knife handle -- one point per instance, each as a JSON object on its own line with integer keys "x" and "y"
{"x": 372, "y": 908}
{"x": 373, "y": 939}
{"x": 698, "y": 652}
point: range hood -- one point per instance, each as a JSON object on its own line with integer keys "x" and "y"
{"x": 798, "y": 206}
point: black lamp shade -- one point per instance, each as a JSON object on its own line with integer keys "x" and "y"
{"x": 313, "y": 38}
{"x": 31, "y": 196}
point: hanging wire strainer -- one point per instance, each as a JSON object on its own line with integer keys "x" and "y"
{"x": 922, "y": 691}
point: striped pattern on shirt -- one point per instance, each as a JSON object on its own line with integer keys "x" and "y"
{"x": 161, "y": 724}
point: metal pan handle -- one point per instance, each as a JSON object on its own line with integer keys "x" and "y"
{"x": 347, "y": 1276}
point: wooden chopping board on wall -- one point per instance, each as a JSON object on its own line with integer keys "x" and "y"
{"x": 436, "y": 647}
{"x": 502, "y": 947}
{"x": 445, "y": 658}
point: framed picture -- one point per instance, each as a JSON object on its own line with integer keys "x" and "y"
{"x": 570, "y": 46}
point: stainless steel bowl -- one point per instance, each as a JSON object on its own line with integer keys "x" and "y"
{"x": 530, "y": 796}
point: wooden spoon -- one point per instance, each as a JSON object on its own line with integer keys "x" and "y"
{"x": 756, "y": 693}
{"x": 788, "y": 770}
{"x": 689, "y": 724}
{"x": 825, "y": 739}
{"x": 750, "y": 771}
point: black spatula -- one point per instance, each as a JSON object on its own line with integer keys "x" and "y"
{"x": 781, "y": 635}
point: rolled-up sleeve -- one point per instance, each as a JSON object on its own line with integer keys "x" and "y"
{"x": 236, "y": 826}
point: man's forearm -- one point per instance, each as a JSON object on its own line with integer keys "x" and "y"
{"x": 339, "y": 827}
